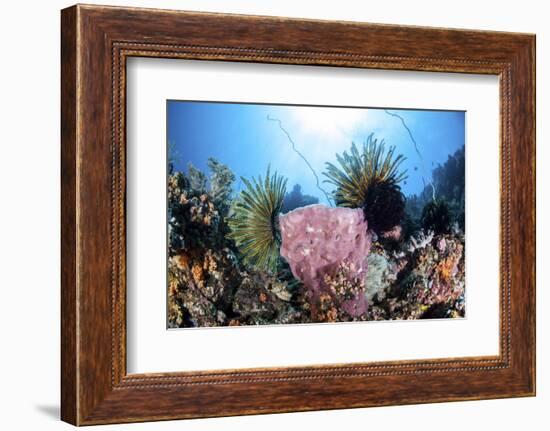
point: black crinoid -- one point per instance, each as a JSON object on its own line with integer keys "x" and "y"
{"x": 369, "y": 178}
{"x": 436, "y": 216}
{"x": 384, "y": 206}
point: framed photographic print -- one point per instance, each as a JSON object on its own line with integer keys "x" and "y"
{"x": 324, "y": 214}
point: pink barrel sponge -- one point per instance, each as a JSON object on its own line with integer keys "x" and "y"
{"x": 317, "y": 240}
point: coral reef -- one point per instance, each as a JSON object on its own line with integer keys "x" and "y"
{"x": 201, "y": 286}
{"x": 193, "y": 219}
{"x": 265, "y": 256}
{"x": 429, "y": 280}
{"x": 202, "y": 275}
{"x": 325, "y": 246}
{"x": 263, "y": 299}
{"x": 438, "y": 276}
{"x": 207, "y": 284}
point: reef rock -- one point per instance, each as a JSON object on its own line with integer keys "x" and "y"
{"x": 327, "y": 250}
{"x": 379, "y": 276}
{"x": 256, "y": 302}
{"x": 430, "y": 279}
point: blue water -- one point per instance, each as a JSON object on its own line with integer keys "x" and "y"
{"x": 242, "y": 137}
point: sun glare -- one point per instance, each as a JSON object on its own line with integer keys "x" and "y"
{"x": 329, "y": 122}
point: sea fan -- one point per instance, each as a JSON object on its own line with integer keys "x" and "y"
{"x": 254, "y": 222}
{"x": 369, "y": 179}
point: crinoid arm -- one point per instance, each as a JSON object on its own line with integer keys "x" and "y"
{"x": 369, "y": 178}
{"x": 254, "y": 223}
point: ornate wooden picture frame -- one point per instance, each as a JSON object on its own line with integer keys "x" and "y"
{"x": 96, "y": 42}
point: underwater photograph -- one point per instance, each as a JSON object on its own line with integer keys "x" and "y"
{"x": 288, "y": 214}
